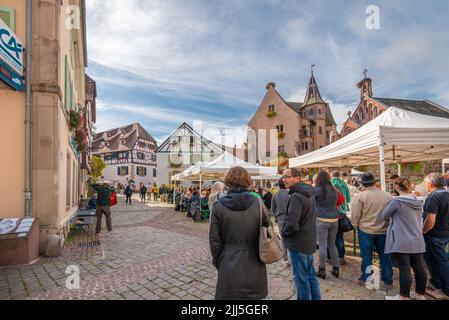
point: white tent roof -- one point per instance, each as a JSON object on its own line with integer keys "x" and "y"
{"x": 407, "y": 136}
{"x": 219, "y": 167}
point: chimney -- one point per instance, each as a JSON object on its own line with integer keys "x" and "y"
{"x": 270, "y": 84}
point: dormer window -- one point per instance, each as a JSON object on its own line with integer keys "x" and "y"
{"x": 123, "y": 141}
{"x": 123, "y": 131}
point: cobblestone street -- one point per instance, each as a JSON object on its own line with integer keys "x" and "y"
{"x": 152, "y": 253}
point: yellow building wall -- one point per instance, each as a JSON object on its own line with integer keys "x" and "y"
{"x": 12, "y": 131}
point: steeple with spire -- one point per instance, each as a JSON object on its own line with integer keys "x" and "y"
{"x": 365, "y": 86}
{"x": 313, "y": 93}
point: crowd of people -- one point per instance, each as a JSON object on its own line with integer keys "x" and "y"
{"x": 406, "y": 231}
{"x": 150, "y": 192}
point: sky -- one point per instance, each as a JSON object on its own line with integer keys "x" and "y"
{"x": 165, "y": 62}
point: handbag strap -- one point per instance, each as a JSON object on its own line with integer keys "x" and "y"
{"x": 262, "y": 213}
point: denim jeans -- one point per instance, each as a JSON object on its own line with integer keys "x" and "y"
{"x": 340, "y": 243}
{"x": 304, "y": 276}
{"x": 437, "y": 262}
{"x": 368, "y": 242}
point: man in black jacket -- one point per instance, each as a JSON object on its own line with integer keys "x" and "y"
{"x": 299, "y": 233}
{"x": 103, "y": 205}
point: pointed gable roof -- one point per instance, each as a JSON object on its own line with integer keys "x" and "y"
{"x": 186, "y": 130}
{"x": 131, "y": 133}
{"x": 313, "y": 93}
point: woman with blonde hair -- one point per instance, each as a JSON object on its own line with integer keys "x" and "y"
{"x": 215, "y": 193}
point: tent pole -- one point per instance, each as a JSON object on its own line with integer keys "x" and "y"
{"x": 399, "y": 169}
{"x": 174, "y": 190}
{"x": 382, "y": 166}
{"x": 201, "y": 182}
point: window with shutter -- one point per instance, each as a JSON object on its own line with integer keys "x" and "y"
{"x": 126, "y": 170}
{"x": 67, "y": 85}
{"x": 145, "y": 172}
{"x": 72, "y": 98}
{"x": 8, "y": 16}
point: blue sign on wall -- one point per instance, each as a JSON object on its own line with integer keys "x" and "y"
{"x": 11, "y": 58}
{"x": 10, "y": 77}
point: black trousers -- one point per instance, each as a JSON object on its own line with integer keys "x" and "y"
{"x": 128, "y": 198}
{"x": 405, "y": 262}
{"x": 142, "y": 197}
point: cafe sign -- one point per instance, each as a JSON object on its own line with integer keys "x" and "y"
{"x": 11, "y": 58}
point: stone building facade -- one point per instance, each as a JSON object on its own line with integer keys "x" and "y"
{"x": 58, "y": 91}
{"x": 299, "y": 127}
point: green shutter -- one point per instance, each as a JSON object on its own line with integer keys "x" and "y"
{"x": 67, "y": 85}
{"x": 72, "y": 93}
{"x": 8, "y": 16}
{"x": 72, "y": 48}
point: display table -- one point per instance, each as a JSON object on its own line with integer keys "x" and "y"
{"x": 19, "y": 241}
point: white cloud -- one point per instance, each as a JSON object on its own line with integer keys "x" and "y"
{"x": 226, "y": 52}
{"x": 298, "y": 95}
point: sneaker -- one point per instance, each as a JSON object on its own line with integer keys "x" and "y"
{"x": 396, "y": 297}
{"x": 417, "y": 296}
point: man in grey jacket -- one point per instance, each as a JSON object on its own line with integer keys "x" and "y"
{"x": 279, "y": 208}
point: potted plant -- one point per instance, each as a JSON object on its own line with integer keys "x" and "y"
{"x": 74, "y": 119}
{"x": 271, "y": 114}
{"x": 281, "y": 135}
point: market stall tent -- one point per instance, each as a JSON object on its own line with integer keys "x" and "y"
{"x": 217, "y": 169}
{"x": 396, "y": 136}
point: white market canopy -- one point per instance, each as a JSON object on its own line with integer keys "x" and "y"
{"x": 396, "y": 136}
{"x": 217, "y": 169}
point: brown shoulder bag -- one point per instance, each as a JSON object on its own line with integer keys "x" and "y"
{"x": 271, "y": 248}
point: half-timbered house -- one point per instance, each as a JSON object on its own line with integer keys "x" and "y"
{"x": 183, "y": 148}
{"x": 130, "y": 153}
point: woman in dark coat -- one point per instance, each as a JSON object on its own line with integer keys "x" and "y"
{"x": 195, "y": 206}
{"x": 234, "y": 241}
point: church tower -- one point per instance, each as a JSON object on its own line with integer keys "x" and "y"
{"x": 365, "y": 86}
{"x": 315, "y": 127}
